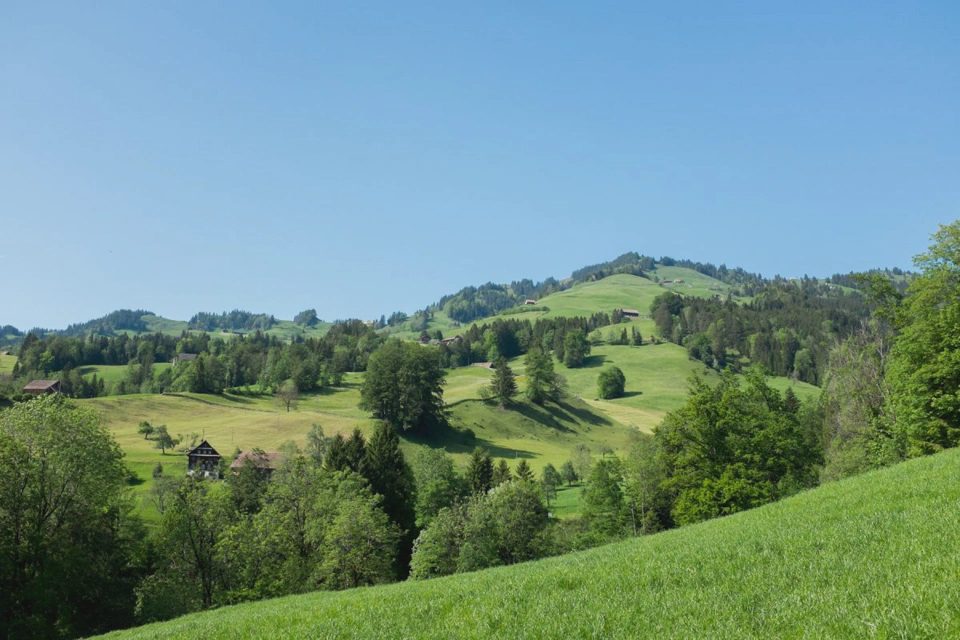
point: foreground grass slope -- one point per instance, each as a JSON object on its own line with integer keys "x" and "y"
{"x": 870, "y": 557}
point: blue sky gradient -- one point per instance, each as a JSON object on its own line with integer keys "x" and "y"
{"x": 370, "y": 157}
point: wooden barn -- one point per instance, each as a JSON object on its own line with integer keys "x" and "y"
{"x": 184, "y": 357}
{"x": 39, "y": 387}
{"x": 266, "y": 461}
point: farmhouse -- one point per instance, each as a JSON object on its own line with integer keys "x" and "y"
{"x": 4, "y": 353}
{"x": 184, "y": 357}
{"x": 203, "y": 460}
{"x": 630, "y": 313}
{"x": 450, "y": 340}
{"x": 266, "y": 461}
{"x": 39, "y": 387}
{"x": 485, "y": 365}
{"x": 529, "y": 301}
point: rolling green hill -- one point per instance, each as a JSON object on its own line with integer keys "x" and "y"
{"x": 870, "y": 557}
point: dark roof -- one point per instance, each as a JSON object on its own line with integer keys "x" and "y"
{"x": 204, "y": 444}
{"x": 266, "y": 460}
{"x": 629, "y": 312}
{"x": 42, "y": 385}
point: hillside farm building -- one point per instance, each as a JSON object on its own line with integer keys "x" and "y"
{"x": 39, "y": 387}
{"x": 266, "y": 461}
{"x": 528, "y": 301}
{"x": 184, "y": 357}
{"x": 203, "y": 460}
{"x": 630, "y": 313}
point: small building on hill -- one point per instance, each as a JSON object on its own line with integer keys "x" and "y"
{"x": 485, "y": 365}
{"x": 630, "y": 313}
{"x": 184, "y": 357}
{"x": 4, "y": 353}
{"x": 203, "y": 460}
{"x": 450, "y": 340}
{"x": 266, "y": 461}
{"x": 40, "y": 387}
{"x": 528, "y": 301}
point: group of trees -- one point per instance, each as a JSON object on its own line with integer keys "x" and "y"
{"x": 787, "y": 328}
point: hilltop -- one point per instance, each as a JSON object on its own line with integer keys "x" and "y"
{"x": 872, "y": 556}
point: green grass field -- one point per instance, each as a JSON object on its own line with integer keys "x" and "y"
{"x": 6, "y": 364}
{"x": 870, "y": 557}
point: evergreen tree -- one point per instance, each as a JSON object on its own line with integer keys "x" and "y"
{"x": 501, "y": 473}
{"x": 390, "y": 476}
{"x": 337, "y": 457}
{"x": 356, "y": 447}
{"x": 523, "y": 471}
{"x": 480, "y": 471}
{"x": 543, "y": 383}
{"x": 503, "y": 387}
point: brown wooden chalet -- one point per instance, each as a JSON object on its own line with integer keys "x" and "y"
{"x": 203, "y": 460}
{"x": 528, "y": 301}
{"x": 630, "y": 313}
{"x": 184, "y": 357}
{"x": 39, "y": 387}
{"x": 266, "y": 461}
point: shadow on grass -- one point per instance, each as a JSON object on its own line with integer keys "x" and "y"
{"x": 460, "y": 441}
{"x": 591, "y": 362}
{"x": 630, "y": 394}
{"x": 585, "y": 415}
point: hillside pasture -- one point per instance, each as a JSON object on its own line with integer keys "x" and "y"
{"x": 870, "y": 557}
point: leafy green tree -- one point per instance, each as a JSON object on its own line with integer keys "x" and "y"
{"x": 603, "y": 507}
{"x": 479, "y": 471}
{"x": 317, "y": 444}
{"x": 543, "y": 383}
{"x": 501, "y": 473}
{"x": 647, "y": 503}
{"x": 924, "y": 372}
{"x": 437, "y": 483}
{"x": 163, "y": 440}
{"x": 523, "y": 471}
{"x": 576, "y": 348}
{"x": 550, "y": 479}
{"x": 436, "y": 551}
{"x": 582, "y": 459}
{"x": 611, "y": 383}
{"x": 68, "y": 541}
{"x": 146, "y": 429}
{"x": 404, "y": 386}
{"x": 505, "y": 526}
{"x": 731, "y": 448}
{"x": 360, "y": 542}
{"x": 503, "y": 387}
{"x": 248, "y": 484}
{"x": 288, "y": 395}
{"x": 568, "y": 473}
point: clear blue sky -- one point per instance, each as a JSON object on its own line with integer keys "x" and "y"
{"x": 361, "y": 158}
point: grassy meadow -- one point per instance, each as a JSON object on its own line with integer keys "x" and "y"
{"x": 6, "y": 364}
{"x": 869, "y": 557}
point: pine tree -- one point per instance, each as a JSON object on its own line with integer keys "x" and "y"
{"x": 503, "y": 387}
{"x": 501, "y": 473}
{"x": 356, "y": 447}
{"x": 390, "y": 476}
{"x": 523, "y": 471}
{"x": 480, "y": 471}
{"x": 337, "y": 458}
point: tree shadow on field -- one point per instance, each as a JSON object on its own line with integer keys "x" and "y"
{"x": 629, "y": 394}
{"x": 592, "y": 362}
{"x": 464, "y": 441}
{"x": 548, "y": 415}
{"x": 585, "y": 415}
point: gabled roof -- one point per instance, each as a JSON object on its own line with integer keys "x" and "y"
{"x": 202, "y": 445}
{"x": 265, "y": 460}
{"x": 42, "y": 385}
